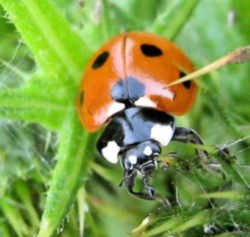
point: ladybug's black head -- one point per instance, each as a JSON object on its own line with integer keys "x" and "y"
{"x": 141, "y": 157}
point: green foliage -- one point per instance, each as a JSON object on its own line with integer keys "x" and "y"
{"x": 49, "y": 179}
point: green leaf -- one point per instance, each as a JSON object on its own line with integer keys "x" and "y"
{"x": 22, "y": 105}
{"x": 56, "y": 47}
{"x": 75, "y": 150}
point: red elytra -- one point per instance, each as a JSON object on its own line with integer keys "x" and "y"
{"x": 156, "y": 65}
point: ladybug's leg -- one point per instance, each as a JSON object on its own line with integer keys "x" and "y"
{"x": 190, "y": 136}
{"x": 150, "y": 189}
{"x": 151, "y": 192}
{"x": 129, "y": 180}
{"x": 226, "y": 155}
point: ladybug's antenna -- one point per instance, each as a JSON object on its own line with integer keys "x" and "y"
{"x": 240, "y": 55}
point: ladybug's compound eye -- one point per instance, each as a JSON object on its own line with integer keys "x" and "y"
{"x": 150, "y": 50}
{"x": 100, "y": 60}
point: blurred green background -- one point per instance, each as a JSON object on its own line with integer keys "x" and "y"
{"x": 36, "y": 53}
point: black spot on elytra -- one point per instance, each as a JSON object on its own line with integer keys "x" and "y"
{"x": 100, "y": 60}
{"x": 150, "y": 50}
{"x": 182, "y": 74}
{"x": 186, "y": 84}
{"x": 81, "y": 97}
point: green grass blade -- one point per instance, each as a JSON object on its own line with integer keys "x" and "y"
{"x": 4, "y": 231}
{"x": 180, "y": 223}
{"x": 82, "y": 210}
{"x": 196, "y": 220}
{"x": 168, "y": 225}
{"x": 14, "y": 216}
{"x": 25, "y": 195}
{"x": 223, "y": 195}
{"x": 172, "y": 20}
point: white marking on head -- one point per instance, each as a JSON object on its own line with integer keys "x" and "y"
{"x": 110, "y": 152}
{"x": 162, "y": 133}
{"x": 115, "y": 107}
{"x": 132, "y": 159}
{"x": 147, "y": 151}
{"x": 145, "y": 102}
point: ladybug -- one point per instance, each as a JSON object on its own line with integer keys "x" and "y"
{"x": 125, "y": 86}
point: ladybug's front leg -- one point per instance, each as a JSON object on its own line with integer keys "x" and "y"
{"x": 129, "y": 181}
{"x": 151, "y": 192}
{"x": 190, "y": 136}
